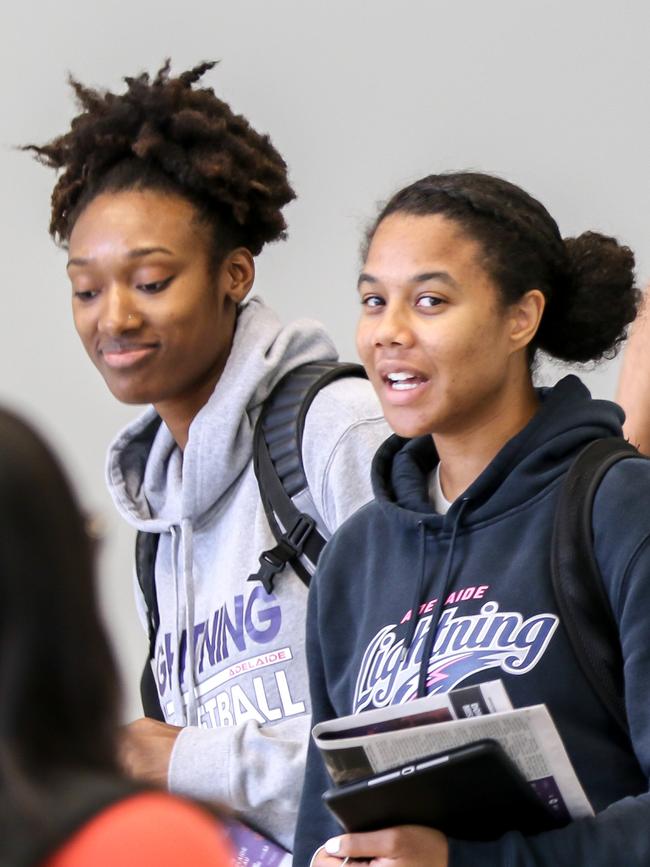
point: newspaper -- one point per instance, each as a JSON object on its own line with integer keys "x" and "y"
{"x": 360, "y": 745}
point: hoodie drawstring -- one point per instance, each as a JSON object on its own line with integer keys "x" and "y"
{"x": 433, "y": 627}
{"x": 187, "y": 538}
{"x": 179, "y": 705}
{"x": 182, "y": 548}
{"x": 417, "y": 598}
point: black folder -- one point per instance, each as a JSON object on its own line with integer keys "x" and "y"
{"x": 474, "y": 792}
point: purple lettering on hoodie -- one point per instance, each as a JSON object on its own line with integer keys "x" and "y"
{"x": 263, "y": 620}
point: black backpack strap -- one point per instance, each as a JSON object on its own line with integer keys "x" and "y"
{"x": 579, "y": 590}
{"x": 280, "y": 471}
{"x": 146, "y": 547}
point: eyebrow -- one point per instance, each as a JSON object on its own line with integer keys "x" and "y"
{"x": 136, "y": 253}
{"x": 443, "y": 276}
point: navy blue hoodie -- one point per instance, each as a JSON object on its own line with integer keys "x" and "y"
{"x": 478, "y": 580}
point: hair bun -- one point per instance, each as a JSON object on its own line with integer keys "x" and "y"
{"x": 587, "y": 318}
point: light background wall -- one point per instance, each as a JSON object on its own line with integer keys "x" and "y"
{"x": 360, "y": 98}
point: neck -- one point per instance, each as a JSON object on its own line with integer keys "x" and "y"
{"x": 464, "y": 455}
{"x": 179, "y": 413}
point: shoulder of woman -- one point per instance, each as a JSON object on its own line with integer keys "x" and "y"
{"x": 621, "y": 515}
{"x": 623, "y": 496}
{"x": 154, "y": 829}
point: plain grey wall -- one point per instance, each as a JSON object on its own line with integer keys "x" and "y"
{"x": 360, "y": 98}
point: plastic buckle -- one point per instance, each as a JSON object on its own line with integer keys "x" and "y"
{"x": 290, "y": 546}
{"x": 299, "y": 533}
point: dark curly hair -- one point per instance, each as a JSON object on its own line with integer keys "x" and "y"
{"x": 163, "y": 134}
{"x": 588, "y": 281}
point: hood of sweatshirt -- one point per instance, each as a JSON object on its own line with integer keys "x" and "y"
{"x": 156, "y": 486}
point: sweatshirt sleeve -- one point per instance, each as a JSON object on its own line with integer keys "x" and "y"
{"x": 343, "y": 430}
{"x": 256, "y": 770}
{"x": 315, "y": 823}
{"x": 620, "y": 834}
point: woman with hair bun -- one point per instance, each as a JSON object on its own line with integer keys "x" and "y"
{"x": 466, "y": 277}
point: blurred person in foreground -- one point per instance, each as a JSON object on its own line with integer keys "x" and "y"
{"x": 63, "y": 800}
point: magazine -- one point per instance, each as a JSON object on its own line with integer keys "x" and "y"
{"x": 358, "y": 746}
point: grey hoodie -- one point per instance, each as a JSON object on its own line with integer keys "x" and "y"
{"x": 240, "y": 686}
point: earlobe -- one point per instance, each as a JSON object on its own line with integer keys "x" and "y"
{"x": 240, "y": 272}
{"x": 528, "y": 313}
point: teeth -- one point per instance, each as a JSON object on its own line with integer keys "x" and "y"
{"x": 400, "y": 380}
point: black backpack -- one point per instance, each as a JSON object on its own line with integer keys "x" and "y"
{"x": 577, "y": 583}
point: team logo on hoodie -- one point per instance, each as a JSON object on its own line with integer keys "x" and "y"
{"x": 464, "y": 645}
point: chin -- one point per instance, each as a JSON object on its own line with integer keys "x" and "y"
{"x": 409, "y": 428}
{"x": 129, "y": 395}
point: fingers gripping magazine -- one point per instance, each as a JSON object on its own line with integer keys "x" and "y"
{"x": 363, "y": 747}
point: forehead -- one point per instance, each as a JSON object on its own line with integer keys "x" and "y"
{"x": 136, "y": 218}
{"x": 418, "y": 243}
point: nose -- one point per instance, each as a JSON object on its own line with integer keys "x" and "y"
{"x": 118, "y": 314}
{"x": 392, "y": 327}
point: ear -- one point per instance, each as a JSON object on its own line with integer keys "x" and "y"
{"x": 237, "y": 274}
{"x": 525, "y": 318}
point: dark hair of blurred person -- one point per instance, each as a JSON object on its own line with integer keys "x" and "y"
{"x": 61, "y": 793}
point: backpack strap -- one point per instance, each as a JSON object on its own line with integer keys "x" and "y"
{"x": 577, "y": 582}
{"x": 146, "y": 547}
{"x": 280, "y": 472}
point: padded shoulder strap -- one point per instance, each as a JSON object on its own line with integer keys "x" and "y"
{"x": 146, "y": 546}
{"x": 577, "y": 582}
{"x": 280, "y": 471}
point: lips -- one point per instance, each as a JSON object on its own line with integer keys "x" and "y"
{"x": 119, "y": 356}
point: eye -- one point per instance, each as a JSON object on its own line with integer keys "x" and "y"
{"x": 156, "y": 286}
{"x": 429, "y": 301}
{"x": 372, "y": 301}
{"x": 85, "y": 294}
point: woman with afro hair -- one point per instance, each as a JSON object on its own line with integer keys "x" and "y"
{"x": 165, "y": 196}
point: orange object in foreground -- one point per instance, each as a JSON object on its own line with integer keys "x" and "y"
{"x": 146, "y": 830}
